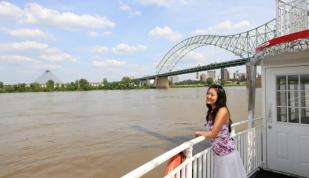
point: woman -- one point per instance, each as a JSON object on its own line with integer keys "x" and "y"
{"x": 227, "y": 162}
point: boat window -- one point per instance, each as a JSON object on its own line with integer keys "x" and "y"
{"x": 281, "y": 114}
{"x": 293, "y": 115}
{"x": 305, "y": 115}
{"x": 281, "y": 81}
{"x": 304, "y": 98}
{"x": 281, "y": 98}
{"x": 292, "y": 98}
{"x": 304, "y": 82}
{"x": 293, "y": 82}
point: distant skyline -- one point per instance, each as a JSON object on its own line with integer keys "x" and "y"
{"x": 111, "y": 39}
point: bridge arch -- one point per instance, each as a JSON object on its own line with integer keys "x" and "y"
{"x": 241, "y": 44}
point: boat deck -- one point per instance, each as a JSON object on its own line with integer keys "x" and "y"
{"x": 268, "y": 174}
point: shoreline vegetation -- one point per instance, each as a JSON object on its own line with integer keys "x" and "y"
{"x": 125, "y": 84}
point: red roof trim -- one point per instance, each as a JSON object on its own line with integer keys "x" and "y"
{"x": 283, "y": 39}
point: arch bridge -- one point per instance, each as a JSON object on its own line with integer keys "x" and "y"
{"x": 242, "y": 45}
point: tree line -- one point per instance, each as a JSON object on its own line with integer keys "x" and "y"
{"x": 78, "y": 85}
{"x": 83, "y": 85}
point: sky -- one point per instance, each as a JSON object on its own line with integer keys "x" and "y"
{"x": 99, "y": 39}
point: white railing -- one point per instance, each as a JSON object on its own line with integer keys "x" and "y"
{"x": 248, "y": 142}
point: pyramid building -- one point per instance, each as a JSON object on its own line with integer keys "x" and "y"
{"x": 46, "y": 76}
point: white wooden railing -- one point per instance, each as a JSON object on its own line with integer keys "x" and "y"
{"x": 248, "y": 142}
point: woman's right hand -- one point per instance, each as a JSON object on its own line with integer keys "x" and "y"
{"x": 197, "y": 134}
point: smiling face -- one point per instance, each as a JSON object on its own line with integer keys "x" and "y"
{"x": 212, "y": 97}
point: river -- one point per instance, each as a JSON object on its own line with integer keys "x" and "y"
{"x": 105, "y": 134}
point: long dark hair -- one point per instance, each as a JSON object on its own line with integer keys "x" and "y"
{"x": 221, "y": 102}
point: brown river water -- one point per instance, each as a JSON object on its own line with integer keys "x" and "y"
{"x": 105, "y": 134}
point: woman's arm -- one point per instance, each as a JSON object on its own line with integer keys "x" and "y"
{"x": 221, "y": 118}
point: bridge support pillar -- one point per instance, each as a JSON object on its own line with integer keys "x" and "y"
{"x": 222, "y": 74}
{"x": 162, "y": 83}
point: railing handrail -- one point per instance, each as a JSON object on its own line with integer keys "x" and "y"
{"x": 143, "y": 169}
{"x": 243, "y": 122}
{"x": 140, "y": 171}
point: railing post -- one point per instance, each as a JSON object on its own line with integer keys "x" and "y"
{"x": 251, "y": 89}
{"x": 188, "y": 154}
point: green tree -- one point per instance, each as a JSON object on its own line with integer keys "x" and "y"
{"x": 222, "y": 82}
{"x": 50, "y": 84}
{"x": 209, "y": 81}
{"x": 2, "y": 89}
{"x": 35, "y": 87}
{"x": 125, "y": 79}
{"x": 105, "y": 82}
{"x": 21, "y": 87}
{"x": 10, "y": 88}
{"x": 62, "y": 86}
{"x": 84, "y": 84}
{"x": 71, "y": 86}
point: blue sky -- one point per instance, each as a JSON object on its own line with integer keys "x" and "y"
{"x": 114, "y": 38}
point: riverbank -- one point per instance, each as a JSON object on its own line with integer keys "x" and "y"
{"x": 25, "y": 90}
{"x": 84, "y": 85}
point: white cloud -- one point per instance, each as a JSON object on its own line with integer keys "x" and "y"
{"x": 108, "y": 63}
{"x": 107, "y": 33}
{"x": 38, "y": 50}
{"x": 25, "y": 32}
{"x": 9, "y": 10}
{"x": 46, "y": 66}
{"x": 15, "y": 59}
{"x": 59, "y": 57}
{"x": 21, "y": 46}
{"x": 165, "y": 32}
{"x": 36, "y": 14}
{"x": 127, "y": 49}
{"x": 92, "y": 34}
{"x": 129, "y": 9}
{"x": 163, "y": 3}
{"x": 97, "y": 34}
{"x": 224, "y": 27}
{"x": 99, "y": 49}
{"x": 52, "y": 50}
{"x": 124, "y": 6}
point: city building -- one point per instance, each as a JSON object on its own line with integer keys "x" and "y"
{"x": 46, "y": 76}
{"x": 95, "y": 84}
{"x": 239, "y": 76}
{"x": 203, "y": 77}
{"x": 197, "y": 73}
{"x": 211, "y": 74}
{"x": 226, "y": 74}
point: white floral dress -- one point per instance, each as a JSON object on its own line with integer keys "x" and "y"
{"x": 227, "y": 161}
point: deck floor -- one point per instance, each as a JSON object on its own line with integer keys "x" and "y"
{"x": 268, "y": 174}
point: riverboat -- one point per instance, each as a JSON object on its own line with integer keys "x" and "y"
{"x": 279, "y": 144}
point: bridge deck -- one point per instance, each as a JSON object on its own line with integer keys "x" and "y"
{"x": 212, "y": 66}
